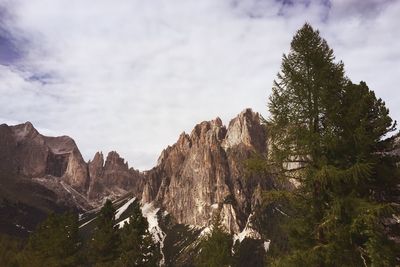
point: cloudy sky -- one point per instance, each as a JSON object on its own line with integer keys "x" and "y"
{"x": 131, "y": 75}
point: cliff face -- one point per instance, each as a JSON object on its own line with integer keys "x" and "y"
{"x": 204, "y": 171}
{"x": 57, "y": 164}
{"x": 112, "y": 177}
{"x": 35, "y": 156}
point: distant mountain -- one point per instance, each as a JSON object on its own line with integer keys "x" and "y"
{"x": 40, "y": 174}
{"x": 202, "y": 172}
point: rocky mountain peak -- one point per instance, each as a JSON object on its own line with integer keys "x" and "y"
{"x": 245, "y": 129}
{"x": 113, "y": 177}
{"x": 184, "y": 141}
{"x": 210, "y": 132}
{"x": 24, "y": 130}
{"x": 96, "y": 166}
{"x": 98, "y": 159}
{"x": 183, "y": 144}
{"x": 115, "y": 161}
{"x": 203, "y": 171}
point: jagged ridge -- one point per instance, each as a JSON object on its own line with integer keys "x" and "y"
{"x": 204, "y": 171}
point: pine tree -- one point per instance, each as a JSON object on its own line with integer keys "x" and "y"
{"x": 137, "y": 244}
{"x": 305, "y": 100}
{"x": 326, "y": 134}
{"x": 55, "y": 242}
{"x": 104, "y": 246}
{"x": 216, "y": 247}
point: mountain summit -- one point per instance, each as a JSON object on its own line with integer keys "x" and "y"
{"x": 204, "y": 171}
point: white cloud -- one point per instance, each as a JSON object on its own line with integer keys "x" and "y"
{"x": 131, "y": 75}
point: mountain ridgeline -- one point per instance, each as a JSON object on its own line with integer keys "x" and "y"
{"x": 201, "y": 172}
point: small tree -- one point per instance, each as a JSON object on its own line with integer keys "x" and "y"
{"x": 137, "y": 244}
{"x": 55, "y": 242}
{"x": 104, "y": 246}
{"x": 216, "y": 247}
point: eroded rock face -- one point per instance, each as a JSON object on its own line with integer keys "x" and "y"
{"x": 31, "y": 151}
{"x": 113, "y": 177}
{"x": 35, "y": 156}
{"x": 204, "y": 171}
{"x": 57, "y": 164}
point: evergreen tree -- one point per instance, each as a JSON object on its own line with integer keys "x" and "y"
{"x": 326, "y": 134}
{"x": 249, "y": 252}
{"x": 137, "y": 244}
{"x": 104, "y": 246}
{"x": 216, "y": 247}
{"x": 55, "y": 243}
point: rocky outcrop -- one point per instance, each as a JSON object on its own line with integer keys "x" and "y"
{"x": 204, "y": 171}
{"x": 113, "y": 177}
{"x": 57, "y": 164}
{"x": 34, "y": 155}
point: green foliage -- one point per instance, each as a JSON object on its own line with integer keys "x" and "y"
{"x": 9, "y": 249}
{"x": 54, "y": 243}
{"x": 215, "y": 248}
{"x": 137, "y": 244}
{"x": 326, "y": 134}
{"x": 305, "y": 99}
{"x": 249, "y": 252}
{"x": 104, "y": 246}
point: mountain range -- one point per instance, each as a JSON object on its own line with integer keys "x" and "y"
{"x": 202, "y": 171}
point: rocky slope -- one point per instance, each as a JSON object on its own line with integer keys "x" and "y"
{"x": 204, "y": 171}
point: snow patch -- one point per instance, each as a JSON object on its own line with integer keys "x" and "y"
{"x": 266, "y": 245}
{"x": 123, "y": 208}
{"x": 206, "y": 231}
{"x": 122, "y": 223}
{"x": 87, "y": 222}
{"x": 150, "y": 213}
{"x": 248, "y": 231}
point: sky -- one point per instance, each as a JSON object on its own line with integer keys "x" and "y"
{"x": 131, "y": 75}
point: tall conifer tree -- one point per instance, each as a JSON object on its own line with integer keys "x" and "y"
{"x": 326, "y": 133}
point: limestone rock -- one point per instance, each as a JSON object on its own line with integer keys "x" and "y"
{"x": 57, "y": 164}
{"x": 204, "y": 170}
{"x": 34, "y": 156}
{"x": 112, "y": 178}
